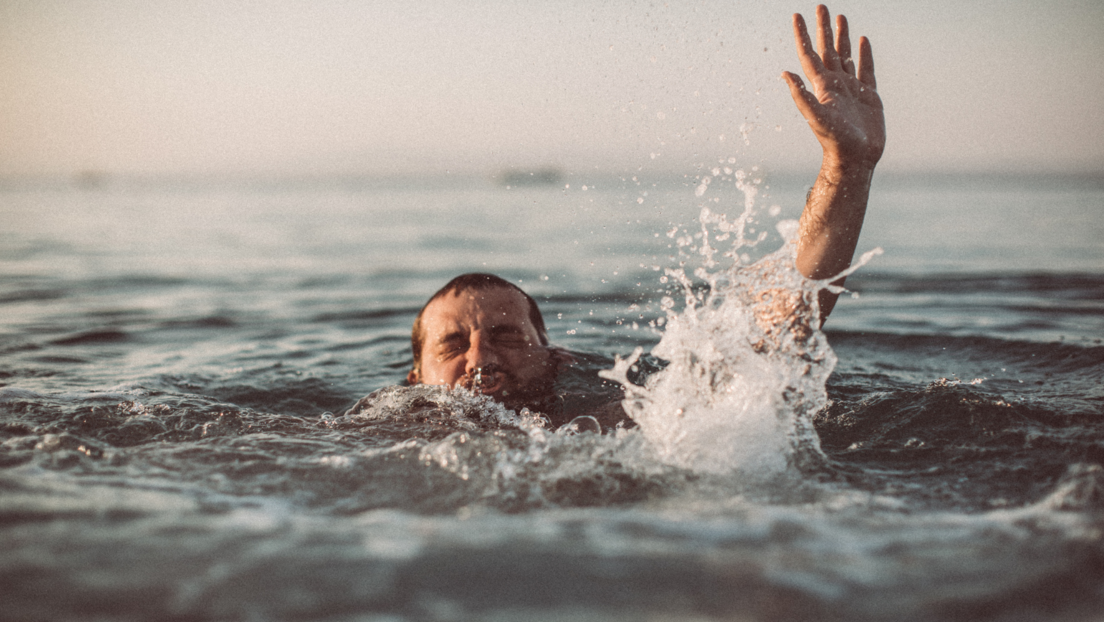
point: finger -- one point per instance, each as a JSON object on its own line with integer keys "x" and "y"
{"x": 843, "y": 45}
{"x": 866, "y": 63}
{"x": 807, "y": 103}
{"x": 824, "y": 39}
{"x": 810, "y": 62}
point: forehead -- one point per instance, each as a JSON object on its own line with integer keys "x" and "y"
{"x": 469, "y": 309}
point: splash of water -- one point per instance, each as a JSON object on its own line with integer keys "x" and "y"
{"x": 747, "y": 362}
{"x": 747, "y": 368}
{"x": 510, "y": 460}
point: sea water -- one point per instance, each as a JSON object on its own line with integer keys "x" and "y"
{"x": 181, "y": 359}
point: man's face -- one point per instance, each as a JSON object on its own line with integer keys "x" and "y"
{"x": 484, "y": 340}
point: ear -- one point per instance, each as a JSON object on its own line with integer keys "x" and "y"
{"x": 412, "y": 377}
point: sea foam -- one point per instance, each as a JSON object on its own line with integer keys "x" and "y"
{"x": 747, "y": 363}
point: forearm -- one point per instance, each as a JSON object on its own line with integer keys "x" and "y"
{"x": 844, "y": 112}
{"x": 831, "y": 223}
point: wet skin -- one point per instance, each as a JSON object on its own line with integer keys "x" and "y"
{"x": 490, "y": 330}
{"x": 484, "y": 341}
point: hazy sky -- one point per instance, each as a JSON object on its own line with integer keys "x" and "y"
{"x": 328, "y": 86}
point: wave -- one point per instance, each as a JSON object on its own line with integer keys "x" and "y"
{"x": 1074, "y": 285}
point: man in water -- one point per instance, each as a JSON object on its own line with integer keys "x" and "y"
{"x": 484, "y": 333}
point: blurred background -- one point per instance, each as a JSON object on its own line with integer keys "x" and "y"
{"x": 337, "y": 88}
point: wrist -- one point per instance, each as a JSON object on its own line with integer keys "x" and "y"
{"x": 836, "y": 169}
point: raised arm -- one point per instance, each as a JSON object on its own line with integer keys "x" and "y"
{"x": 845, "y": 113}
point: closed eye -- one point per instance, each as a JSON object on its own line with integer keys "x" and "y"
{"x": 509, "y": 337}
{"x": 450, "y": 346}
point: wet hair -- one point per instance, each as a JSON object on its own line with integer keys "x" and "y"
{"x": 474, "y": 282}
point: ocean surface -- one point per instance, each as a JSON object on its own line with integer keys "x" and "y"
{"x": 179, "y": 360}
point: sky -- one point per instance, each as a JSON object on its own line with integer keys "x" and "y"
{"x": 320, "y": 87}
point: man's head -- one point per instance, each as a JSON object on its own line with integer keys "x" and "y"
{"x": 484, "y": 333}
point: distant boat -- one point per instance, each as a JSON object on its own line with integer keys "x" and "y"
{"x": 89, "y": 179}
{"x": 530, "y": 177}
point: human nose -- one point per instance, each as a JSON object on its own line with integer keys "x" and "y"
{"x": 480, "y": 354}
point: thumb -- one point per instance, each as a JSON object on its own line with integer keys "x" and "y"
{"x": 807, "y": 103}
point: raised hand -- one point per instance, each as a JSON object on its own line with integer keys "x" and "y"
{"x": 843, "y": 110}
{"x": 845, "y": 113}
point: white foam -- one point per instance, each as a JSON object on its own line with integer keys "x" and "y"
{"x": 746, "y": 364}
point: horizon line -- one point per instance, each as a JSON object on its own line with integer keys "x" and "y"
{"x": 92, "y": 178}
